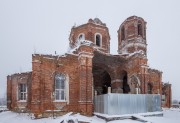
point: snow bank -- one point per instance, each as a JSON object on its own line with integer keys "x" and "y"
{"x": 170, "y": 116}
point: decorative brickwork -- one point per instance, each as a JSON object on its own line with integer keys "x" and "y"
{"x": 88, "y": 69}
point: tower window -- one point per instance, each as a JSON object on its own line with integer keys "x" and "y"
{"x": 122, "y": 33}
{"x": 22, "y": 92}
{"x": 81, "y": 37}
{"x": 140, "y": 29}
{"x": 60, "y": 87}
{"x": 98, "y": 39}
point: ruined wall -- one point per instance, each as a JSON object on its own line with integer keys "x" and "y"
{"x": 155, "y": 79}
{"x": 166, "y": 95}
{"x": 137, "y": 73}
{"x": 118, "y": 68}
{"x": 135, "y": 67}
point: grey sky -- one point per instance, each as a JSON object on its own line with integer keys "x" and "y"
{"x": 43, "y": 26}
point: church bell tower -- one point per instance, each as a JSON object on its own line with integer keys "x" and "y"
{"x": 132, "y": 36}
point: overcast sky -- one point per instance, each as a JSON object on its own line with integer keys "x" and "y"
{"x": 43, "y": 26}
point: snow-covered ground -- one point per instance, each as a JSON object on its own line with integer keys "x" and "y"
{"x": 3, "y": 108}
{"x": 170, "y": 116}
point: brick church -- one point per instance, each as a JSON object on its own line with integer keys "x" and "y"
{"x": 69, "y": 82}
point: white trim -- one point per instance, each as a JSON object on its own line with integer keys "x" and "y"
{"x": 88, "y": 55}
{"x": 59, "y": 101}
{"x": 58, "y": 77}
{"x": 133, "y": 44}
{"x": 66, "y": 89}
{"x": 100, "y": 39}
{"x": 18, "y": 92}
{"x": 22, "y": 101}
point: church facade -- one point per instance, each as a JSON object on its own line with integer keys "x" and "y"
{"x": 69, "y": 82}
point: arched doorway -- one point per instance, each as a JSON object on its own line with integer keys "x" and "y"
{"x": 135, "y": 84}
{"x": 149, "y": 88}
{"x": 101, "y": 80}
{"x": 126, "y": 88}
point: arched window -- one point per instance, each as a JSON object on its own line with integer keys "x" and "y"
{"x": 149, "y": 87}
{"x": 122, "y": 33}
{"x": 60, "y": 87}
{"x": 98, "y": 40}
{"x": 139, "y": 29}
{"x": 81, "y": 37}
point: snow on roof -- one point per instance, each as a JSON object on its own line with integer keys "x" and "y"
{"x": 125, "y": 53}
{"x": 78, "y": 44}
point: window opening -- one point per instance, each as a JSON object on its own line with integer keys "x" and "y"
{"x": 149, "y": 88}
{"x": 98, "y": 40}
{"x": 22, "y": 89}
{"x": 122, "y": 33}
{"x": 60, "y": 87}
{"x": 140, "y": 29}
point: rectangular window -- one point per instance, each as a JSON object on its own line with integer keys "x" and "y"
{"x": 22, "y": 92}
{"x": 60, "y": 88}
{"x": 60, "y": 94}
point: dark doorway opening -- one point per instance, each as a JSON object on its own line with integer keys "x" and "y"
{"x": 149, "y": 88}
{"x": 101, "y": 80}
{"x": 126, "y": 88}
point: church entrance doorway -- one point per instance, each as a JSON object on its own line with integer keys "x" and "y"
{"x": 101, "y": 80}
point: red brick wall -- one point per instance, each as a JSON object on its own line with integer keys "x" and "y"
{"x": 12, "y": 90}
{"x": 166, "y": 90}
{"x": 131, "y": 35}
{"x": 44, "y": 71}
{"x": 155, "y": 78}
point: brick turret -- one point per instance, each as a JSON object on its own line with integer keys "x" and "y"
{"x": 94, "y": 31}
{"x": 132, "y": 36}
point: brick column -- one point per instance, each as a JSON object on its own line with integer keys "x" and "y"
{"x": 86, "y": 83}
{"x": 35, "y": 89}
{"x": 170, "y": 96}
{"x": 143, "y": 75}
